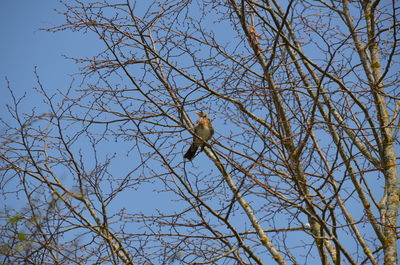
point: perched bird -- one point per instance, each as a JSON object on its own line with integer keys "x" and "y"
{"x": 203, "y": 130}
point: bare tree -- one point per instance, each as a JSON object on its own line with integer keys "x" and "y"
{"x": 302, "y": 168}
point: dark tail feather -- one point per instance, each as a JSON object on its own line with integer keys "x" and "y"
{"x": 191, "y": 152}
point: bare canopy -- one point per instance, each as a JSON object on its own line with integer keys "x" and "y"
{"x": 302, "y": 168}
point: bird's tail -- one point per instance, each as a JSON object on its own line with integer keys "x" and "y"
{"x": 191, "y": 152}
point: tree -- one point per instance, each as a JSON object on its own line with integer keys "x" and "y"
{"x": 302, "y": 169}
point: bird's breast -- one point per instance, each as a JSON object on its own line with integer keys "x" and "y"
{"x": 204, "y": 132}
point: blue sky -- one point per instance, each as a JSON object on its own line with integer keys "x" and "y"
{"x": 24, "y": 46}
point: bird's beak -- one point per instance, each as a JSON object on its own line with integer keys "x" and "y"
{"x": 198, "y": 113}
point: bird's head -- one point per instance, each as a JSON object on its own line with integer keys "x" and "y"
{"x": 202, "y": 114}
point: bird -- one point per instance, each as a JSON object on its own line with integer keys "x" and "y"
{"x": 204, "y": 131}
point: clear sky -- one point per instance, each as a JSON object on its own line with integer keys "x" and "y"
{"x": 24, "y": 46}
